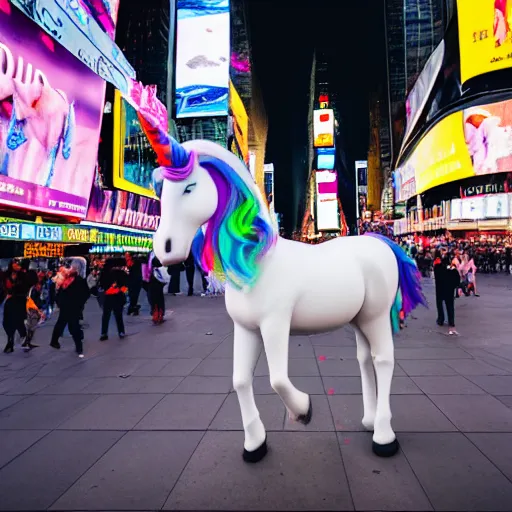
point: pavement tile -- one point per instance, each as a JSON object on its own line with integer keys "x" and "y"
{"x": 271, "y": 409}
{"x": 112, "y": 385}
{"x": 352, "y": 386}
{"x": 179, "y": 367}
{"x": 151, "y": 367}
{"x": 507, "y": 400}
{"x": 67, "y": 386}
{"x": 303, "y": 368}
{"x": 224, "y": 350}
{"x": 32, "y": 386}
{"x": 12, "y": 383}
{"x": 496, "y": 447}
{"x": 339, "y": 368}
{"x": 455, "y": 474}
{"x": 309, "y": 385}
{"x": 344, "y": 337}
{"x": 35, "y": 479}
{"x": 112, "y": 412}
{"x": 379, "y": 483}
{"x": 431, "y": 353}
{"x": 468, "y": 367}
{"x": 217, "y": 478}
{"x": 475, "y": 413}
{"x": 300, "y": 349}
{"x": 495, "y": 385}
{"x": 40, "y": 412}
{"x": 320, "y": 422}
{"x": 137, "y": 473}
{"x": 347, "y": 412}
{"x": 415, "y": 368}
{"x": 15, "y": 442}
{"x": 447, "y": 385}
{"x": 208, "y": 385}
{"x": 197, "y": 350}
{"x": 214, "y": 368}
{"x": 335, "y": 352}
{"x": 182, "y": 412}
{"x": 161, "y": 385}
{"x": 7, "y": 401}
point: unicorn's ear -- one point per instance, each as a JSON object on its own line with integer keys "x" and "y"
{"x": 158, "y": 181}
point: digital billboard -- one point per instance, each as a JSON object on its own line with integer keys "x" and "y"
{"x": 323, "y": 128}
{"x": 325, "y": 158}
{"x": 327, "y": 214}
{"x": 49, "y": 125}
{"x": 134, "y": 160}
{"x": 122, "y": 208}
{"x": 240, "y": 122}
{"x": 202, "y": 58}
{"x": 485, "y": 37}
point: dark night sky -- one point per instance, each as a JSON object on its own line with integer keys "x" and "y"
{"x": 284, "y": 37}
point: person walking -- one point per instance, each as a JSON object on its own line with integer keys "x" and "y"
{"x": 72, "y": 294}
{"x": 447, "y": 280}
{"x": 15, "y": 307}
{"x": 114, "y": 281}
{"x": 134, "y": 283}
{"x": 156, "y": 299}
{"x": 35, "y": 313}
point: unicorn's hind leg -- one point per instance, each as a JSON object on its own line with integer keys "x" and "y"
{"x": 247, "y": 348}
{"x": 379, "y": 334}
{"x": 364, "y": 357}
{"x": 276, "y": 335}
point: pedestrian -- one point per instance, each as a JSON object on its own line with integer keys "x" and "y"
{"x": 134, "y": 283}
{"x": 156, "y": 299}
{"x": 447, "y": 280}
{"x": 114, "y": 281}
{"x": 15, "y": 307}
{"x": 175, "y": 272}
{"x": 72, "y": 294}
{"x": 35, "y": 313}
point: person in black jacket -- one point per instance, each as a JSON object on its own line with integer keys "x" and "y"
{"x": 114, "y": 281}
{"x": 447, "y": 279}
{"x": 72, "y": 294}
{"x": 134, "y": 283}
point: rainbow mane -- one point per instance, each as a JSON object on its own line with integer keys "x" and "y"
{"x": 237, "y": 236}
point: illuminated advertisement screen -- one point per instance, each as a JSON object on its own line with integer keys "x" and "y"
{"x": 485, "y": 38}
{"x": 472, "y": 208}
{"x": 327, "y": 215}
{"x": 323, "y": 128}
{"x": 325, "y": 158}
{"x": 473, "y": 142}
{"x": 240, "y": 122}
{"x": 202, "y": 58}
{"x": 122, "y": 208}
{"x": 496, "y": 206}
{"x": 105, "y": 12}
{"x": 49, "y": 125}
{"x": 133, "y": 159}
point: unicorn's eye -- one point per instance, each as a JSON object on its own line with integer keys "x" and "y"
{"x": 189, "y": 188}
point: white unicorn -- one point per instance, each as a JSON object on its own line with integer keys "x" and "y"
{"x": 276, "y": 286}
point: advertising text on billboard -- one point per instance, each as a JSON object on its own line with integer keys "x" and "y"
{"x": 327, "y": 215}
{"x": 50, "y": 127}
{"x": 202, "y": 58}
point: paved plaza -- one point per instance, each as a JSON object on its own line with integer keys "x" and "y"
{"x": 151, "y": 422}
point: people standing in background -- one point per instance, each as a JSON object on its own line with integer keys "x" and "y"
{"x": 15, "y": 307}
{"x": 190, "y": 270}
{"x": 72, "y": 294}
{"x": 175, "y": 272}
{"x": 447, "y": 280}
{"x": 114, "y": 281}
{"x": 134, "y": 283}
{"x": 157, "y": 282}
{"x": 35, "y": 313}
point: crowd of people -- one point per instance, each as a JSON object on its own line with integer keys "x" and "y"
{"x": 29, "y": 295}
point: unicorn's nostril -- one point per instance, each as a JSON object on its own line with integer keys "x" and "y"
{"x": 168, "y": 246}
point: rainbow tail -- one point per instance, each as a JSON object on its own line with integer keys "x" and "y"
{"x": 409, "y": 294}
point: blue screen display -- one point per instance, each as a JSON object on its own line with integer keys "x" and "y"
{"x": 325, "y": 162}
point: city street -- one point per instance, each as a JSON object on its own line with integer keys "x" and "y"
{"x": 151, "y": 422}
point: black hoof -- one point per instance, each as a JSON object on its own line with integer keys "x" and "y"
{"x": 385, "y": 450}
{"x": 306, "y": 418}
{"x": 256, "y": 455}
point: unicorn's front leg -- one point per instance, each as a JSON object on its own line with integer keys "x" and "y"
{"x": 276, "y": 335}
{"x": 379, "y": 334}
{"x": 247, "y": 348}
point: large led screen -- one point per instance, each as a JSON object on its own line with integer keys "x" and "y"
{"x": 202, "y": 58}
{"x": 134, "y": 159}
{"x": 240, "y": 123}
{"x": 323, "y": 128}
{"x": 50, "y": 114}
{"x": 327, "y": 214}
{"x": 325, "y": 158}
{"x": 485, "y": 36}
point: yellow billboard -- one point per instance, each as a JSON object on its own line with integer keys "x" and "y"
{"x": 133, "y": 159}
{"x": 240, "y": 122}
{"x": 442, "y": 155}
{"x": 485, "y": 36}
